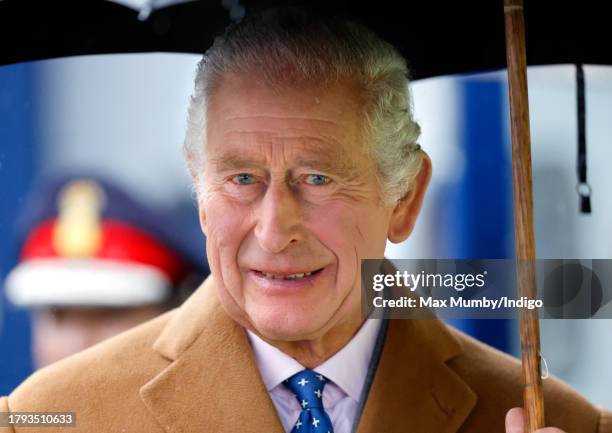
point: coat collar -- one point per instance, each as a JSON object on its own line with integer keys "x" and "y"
{"x": 212, "y": 382}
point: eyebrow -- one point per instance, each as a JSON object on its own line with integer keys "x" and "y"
{"x": 339, "y": 165}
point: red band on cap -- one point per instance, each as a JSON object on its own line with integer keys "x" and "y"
{"x": 120, "y": 241}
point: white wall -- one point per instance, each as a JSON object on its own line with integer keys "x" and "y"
{"x": 121, "y": 114}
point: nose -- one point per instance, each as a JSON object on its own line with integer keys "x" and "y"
{"x": 279, "y": 218}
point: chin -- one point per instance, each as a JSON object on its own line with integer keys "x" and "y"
{"x": 276, "y": 324}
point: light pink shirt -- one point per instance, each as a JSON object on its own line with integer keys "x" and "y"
{"x": 346, "y": 371}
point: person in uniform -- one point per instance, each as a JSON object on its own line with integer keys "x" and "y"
{"x": 90, "y": 268}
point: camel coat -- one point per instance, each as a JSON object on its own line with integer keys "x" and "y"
{"x": 192, "y": 370}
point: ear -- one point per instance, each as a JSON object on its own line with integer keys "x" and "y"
{"x": 202, "y": 215}
{"x": 201, "y": 208}
{"x": 407, "y": 209}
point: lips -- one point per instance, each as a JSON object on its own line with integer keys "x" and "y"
{"x": 280, "y": 280}
{"x": 286, "y": 277}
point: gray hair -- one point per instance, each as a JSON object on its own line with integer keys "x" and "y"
{"x": 287, "y": 47}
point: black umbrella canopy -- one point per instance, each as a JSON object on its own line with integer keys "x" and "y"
{"x": 438, "y": 38}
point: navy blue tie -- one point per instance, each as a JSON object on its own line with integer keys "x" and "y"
{"x": 307, "y": 385}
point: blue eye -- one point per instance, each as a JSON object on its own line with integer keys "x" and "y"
{"x": 244, "y": 179}
{"x": 317, "y": 179}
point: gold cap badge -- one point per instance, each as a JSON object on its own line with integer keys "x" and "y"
{"x": 78, "y": 232}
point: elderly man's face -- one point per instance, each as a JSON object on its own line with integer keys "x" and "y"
{"x": 290, "y": 205}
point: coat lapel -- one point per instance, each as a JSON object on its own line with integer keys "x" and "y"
{"x": 212, "y": 383}
{"x": 413, "y": 389}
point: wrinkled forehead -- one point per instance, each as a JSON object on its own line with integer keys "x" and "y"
{"x": 315, "y": 120}
{"x": 236, "y": 94}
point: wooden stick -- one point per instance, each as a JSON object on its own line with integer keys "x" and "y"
{"x": 523, "y": 211}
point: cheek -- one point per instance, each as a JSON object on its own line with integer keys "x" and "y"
{"x": 226, "y": 229}
{"x": 374, "y": 227}
{"x": 350, "y": 232}
{"x": 225, "y": 222}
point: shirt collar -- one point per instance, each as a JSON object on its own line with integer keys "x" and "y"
{"x": 347, "y": 368}
{"x": 275, "y": 366}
